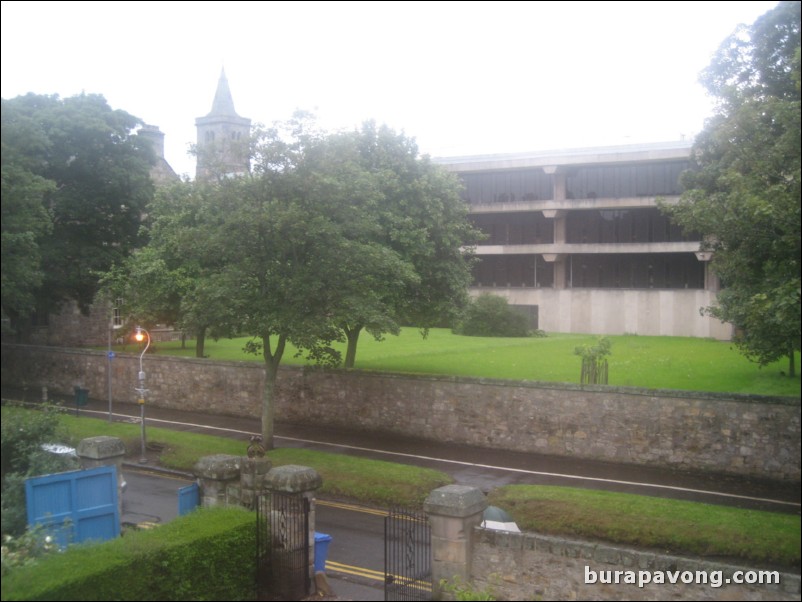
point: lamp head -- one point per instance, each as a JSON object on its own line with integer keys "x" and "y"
{"x": 139, "y": 336}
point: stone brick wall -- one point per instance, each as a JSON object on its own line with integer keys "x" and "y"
{"x": 528, "y": 566}
{"x": 684, "y": 430}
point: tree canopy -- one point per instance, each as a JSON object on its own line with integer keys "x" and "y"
{"x": 76, "y": 183}
{"x": 328, "y": 235}
{"x": 744, "y": 195}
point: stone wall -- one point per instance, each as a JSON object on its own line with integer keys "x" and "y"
{"x": 528, "y": 566}
{"x": 712, "y": 432}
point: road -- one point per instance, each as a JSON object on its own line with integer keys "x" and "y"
{"x": 356, "y": 550}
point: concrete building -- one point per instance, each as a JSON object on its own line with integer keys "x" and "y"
{"x": 576, "y": 239}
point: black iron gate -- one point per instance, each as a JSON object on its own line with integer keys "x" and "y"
{"x": 282, "y": 547}
{"x": 407, "y": 556}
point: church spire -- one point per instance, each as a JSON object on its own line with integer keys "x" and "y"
{"x": 222, "y": 147}
{"x": 223, "y": 102}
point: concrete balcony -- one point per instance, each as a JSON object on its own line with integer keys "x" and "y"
{"x": 588, "y": 249}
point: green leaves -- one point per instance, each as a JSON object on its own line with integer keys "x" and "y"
{"x": 744, "y": 196}
{"x": 75, "y": 185}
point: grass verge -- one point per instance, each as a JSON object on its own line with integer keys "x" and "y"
{"x": 670, "y": 526}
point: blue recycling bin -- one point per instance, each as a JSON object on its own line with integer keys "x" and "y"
{"x": 322, "y": 542}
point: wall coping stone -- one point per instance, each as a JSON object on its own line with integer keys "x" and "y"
{"x": 220, "y": 467}
{"x": 100, "y": 448}
{"x": 292, "y": 478}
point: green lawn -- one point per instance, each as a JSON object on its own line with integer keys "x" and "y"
{"x": 637, "y": 361}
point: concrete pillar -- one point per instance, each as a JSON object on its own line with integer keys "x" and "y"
{"x": 219, "y": 480}
{"x": 304, "y": 481}
{"x": 559, "y": 181}
{"x": 454, "y": 511}
{"x": 712, "y": 282}
{"x": 559, "y": 268}
{"x": 104, "y": 451}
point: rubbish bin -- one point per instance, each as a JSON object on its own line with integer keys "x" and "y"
{"x": 81, "y": 396}
{"x": 321, "y": 551}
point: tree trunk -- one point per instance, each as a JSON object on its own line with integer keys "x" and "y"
{"x": 183, "y": 340}
{"x": 352, "y": 334}
{"x": 200, "y": 342}
{"x": 268, "y": 406}
{"x": 791, "y": 362}
{"x": 272, "y": 362}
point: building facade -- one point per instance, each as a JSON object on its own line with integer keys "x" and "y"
{"x": 577, "y": 239}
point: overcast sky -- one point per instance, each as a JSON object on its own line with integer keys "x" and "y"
{"x": 461, "y": 77}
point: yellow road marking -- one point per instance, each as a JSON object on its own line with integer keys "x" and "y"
{"x": 352, "y": 507}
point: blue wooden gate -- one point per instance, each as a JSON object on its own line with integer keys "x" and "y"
{"x": 188, "y": 499}
{"x": 75, "y": 506}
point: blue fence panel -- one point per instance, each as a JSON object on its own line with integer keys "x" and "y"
{"x": 78, "y": 506}
{"x": 188, "y": 499}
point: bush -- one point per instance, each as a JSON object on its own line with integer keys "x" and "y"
{"x": 491, "y": 316}
{"x": 209, "y": 554}
{"x": 594, "y": 361}
{"x": 23, "y": 433}
{"x": 26, "y": 549}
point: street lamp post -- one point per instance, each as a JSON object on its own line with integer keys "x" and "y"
{"x": 141, "y": 335}
{"x": 110, "y": 356}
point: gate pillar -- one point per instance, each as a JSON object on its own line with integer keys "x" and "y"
{"x": 454, "y": 510}
{"x": 104, "y": 451}
{"x": 303, "y": 481}
{"x": 218, "y": 477}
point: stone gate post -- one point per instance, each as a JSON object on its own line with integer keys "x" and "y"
{"x": 304, "y": 481}
{"x": 218, "y": 477}
{"x": 454, "y": 510}
{"x": 104, "y": 451}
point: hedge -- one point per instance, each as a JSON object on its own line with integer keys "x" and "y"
{"x": 206, "y": 555}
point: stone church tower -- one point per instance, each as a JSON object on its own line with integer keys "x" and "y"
{"x": 223, "y": 135}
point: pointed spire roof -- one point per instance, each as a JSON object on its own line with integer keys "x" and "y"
{"x": 223, "y": 102}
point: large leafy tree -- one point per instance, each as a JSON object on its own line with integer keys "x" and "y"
{"x": 25, "y": 222}
{"x": 294, "y": 236}
{"x": 327, "y": 235}
{"x": 175, "y": 279}
{"x": 423, "y": 221}
{"x": 744, "y": 194}
{"x": 75, "y": 186}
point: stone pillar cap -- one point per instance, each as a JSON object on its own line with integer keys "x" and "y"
{"x": 220, "y": 467}
{"x": 100, "y": 448}
{"x": 293, "y": 479}
{"x": 458, "y": 501}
